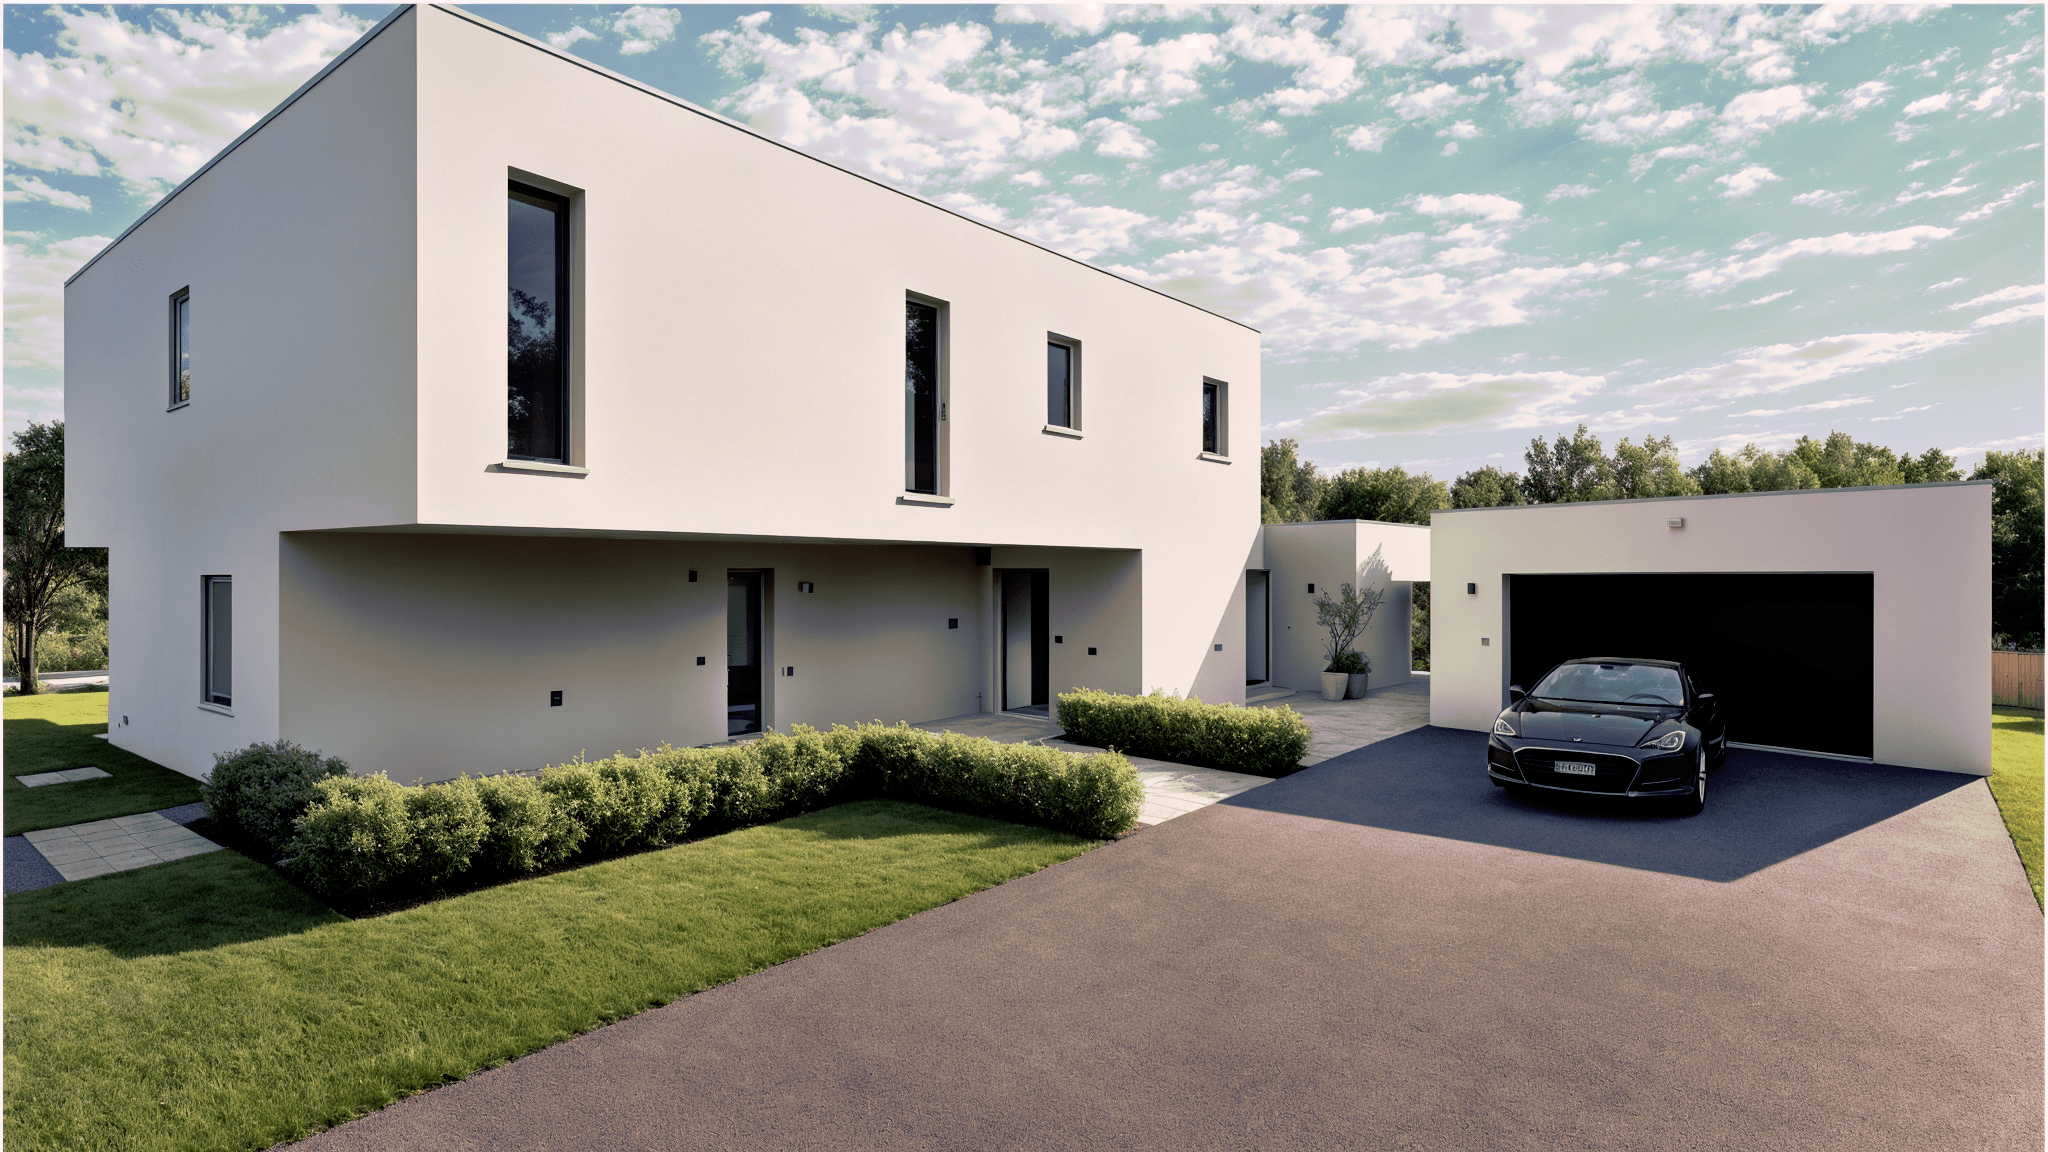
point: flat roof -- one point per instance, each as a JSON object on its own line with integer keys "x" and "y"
{"x": 1719, "y": 496}
{"x": 630, "y": 83}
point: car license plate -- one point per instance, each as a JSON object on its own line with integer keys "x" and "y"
{"x": 1573, "y": 768}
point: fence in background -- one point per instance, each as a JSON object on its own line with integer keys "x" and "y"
{"x": 2016, "y": 679}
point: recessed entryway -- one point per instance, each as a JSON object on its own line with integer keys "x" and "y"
{"x": 743, "y": 657}
{"x": 1025, "y": 643}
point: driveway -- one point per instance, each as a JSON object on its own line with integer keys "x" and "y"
{"x": 1377, "y": 952}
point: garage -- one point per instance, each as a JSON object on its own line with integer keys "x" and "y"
{"x": 1787, "y": 653}
{"x": 1842, "y": 622}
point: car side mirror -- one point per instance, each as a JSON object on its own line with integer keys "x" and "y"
{"x": 1706, "y": 696}
{"x": 1515, "y": 693}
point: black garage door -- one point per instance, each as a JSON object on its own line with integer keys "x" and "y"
{"x": 1788, "y": 654}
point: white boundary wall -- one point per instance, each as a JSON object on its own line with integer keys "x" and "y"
{"x": 1327, "y": 553}
{"x": 1927, "y": 546}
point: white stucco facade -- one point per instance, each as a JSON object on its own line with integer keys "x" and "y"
{"x": 1926, "y": 548}
{"x": 406, "y": 601}
{"x": 1329, "y": 553}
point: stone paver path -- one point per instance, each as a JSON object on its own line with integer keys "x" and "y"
{"x": 1338, "y": 726}
{"x": 82, "y": 851}
{"x": 40, "y": 779}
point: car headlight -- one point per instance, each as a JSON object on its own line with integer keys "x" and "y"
{"x": 1501, "y": 727}
{"x": 1669, "y": 742}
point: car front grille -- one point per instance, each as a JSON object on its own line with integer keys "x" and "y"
{"x": 1610, "y": 773}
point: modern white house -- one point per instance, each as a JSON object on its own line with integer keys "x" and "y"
{"x": 480, "y": 406}
{"x": 1843, "y": 622}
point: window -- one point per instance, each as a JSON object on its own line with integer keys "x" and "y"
{"x": 217, "y": 679}
{"x": 1215, "y": 418}
{"x": 537, "y": 325}
{"x": 924, "y": 399}
{"x": 181, "y": 347}
{"x": 1062, "y": 365}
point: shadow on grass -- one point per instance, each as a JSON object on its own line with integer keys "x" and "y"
{"x": 1762, "y": 807}
{"x": 187, "y": 905}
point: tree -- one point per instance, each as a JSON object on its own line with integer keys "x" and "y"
{"x": 41, "y": 571}
{"x": 1349, "y": 614}
{"x": 1933, "y": 467}
{"x": 1577, "y": 469}
{"x": 1841, "y": 461}
{"x": 1290, "y": 490}
{"x": 1388, "y": 494}
{"x": 1418, "y": 626}
{"x": 1487, "y": 487}
{"x": 2016, "y": 544}
{"x": 1649, "y": 470}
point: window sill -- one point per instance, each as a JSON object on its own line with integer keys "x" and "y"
{"x": 925, "y": 498}
{"x": 1056, "y": 430}
{"x": 1213, "y": 458}
{"x": 541, "y": 466}
{"x": 178, "y": 405}
{"x": 216, "y": 709}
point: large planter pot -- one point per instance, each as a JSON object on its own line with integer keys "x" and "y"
{"x": 1334, "y": 684}
{"x": 1355, "y": 687}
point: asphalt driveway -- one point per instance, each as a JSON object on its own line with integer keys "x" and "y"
{"x": 1378, "y": 952}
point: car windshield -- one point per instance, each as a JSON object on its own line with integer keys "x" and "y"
{"x": 1612, "y": 684}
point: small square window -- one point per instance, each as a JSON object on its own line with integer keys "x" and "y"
{"x": 217, "y": 685}
{"x": 181, "y": 347}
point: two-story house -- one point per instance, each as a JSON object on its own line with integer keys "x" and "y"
{"x": 480, "y": 406}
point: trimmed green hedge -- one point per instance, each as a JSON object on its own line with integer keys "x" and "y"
{"x": 362, "y": 834}
{"x": 264, "y": 788}
{"x": 1259, "y": 741}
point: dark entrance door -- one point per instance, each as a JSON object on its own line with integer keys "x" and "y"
{"x": 742, "y": 652}
{"x": 1025, "y": 641}
{"x": 1257, "y": 642}
{"x": 1790, "y": 655}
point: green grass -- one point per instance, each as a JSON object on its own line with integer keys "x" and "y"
{"x": 206, "y": 1004}
{"x": 2016, "y": 776}
{"x": 48, "y": 733}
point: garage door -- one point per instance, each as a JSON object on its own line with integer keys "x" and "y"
{"x": 1788, "y": 654}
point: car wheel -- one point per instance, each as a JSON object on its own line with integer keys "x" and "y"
{"x": 1696, "y": 803}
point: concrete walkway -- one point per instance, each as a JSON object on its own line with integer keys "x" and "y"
{"x": 1338, "y": 726}
{"x": 81, "y": 851}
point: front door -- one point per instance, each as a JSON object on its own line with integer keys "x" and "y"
{"x": 742, "y": 652}
{"x": 1024, "y": 645}
{"x": 1257, "y": 644}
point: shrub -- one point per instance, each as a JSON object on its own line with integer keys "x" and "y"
{"x": 1260, "y": 741}
{"x": 447, "y": 823}
{"x": 259, "y": 791}
{"x": 355, "y": 836}
{"x": 526, "y": 829}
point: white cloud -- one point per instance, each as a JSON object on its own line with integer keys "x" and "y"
{"x": 1368, "y": 137}
{"x": 644, "y": 29}
{"x": 1486, "y": 206}
{"x": 1345, "y": 219}
{"x": 149, "y": 102}
{"x": 1913, "y": 192}
{"x": 1092, "y": 18}
{"x": 1988, "y": 207}
{"x": 1122, "y": 69}
{"x": 1462, "y": 130}
{"x": 1424, "y": 103}
{"x": 1926, "y": 105}
{"x": 1861, "y": 98}
{"x": 2002, "y": 296}
{"x": 574, "y": 36}
{"x": 1755, "y": 302}
{"x": 1756, "y": 112}
{"x": 1568, "y": 191}
{"x": 30, "y": 188}
{"x": 1118, "y": 139}
{"x": 1083, "y": 231}
{"x": 1822, "y": 198}
{"x": 1433, "y": 402}
{"x": 35, "y": 274}
{"x": 2009, "y": 316}
{"x": 1945, "y": 284}
{"x": 1322, "y": 74}
{"x": 1736, "y": 185}
{"x": 1782, "y": 367}
{"x": 1820, "y": 406}
{"x": 1733, "y": 271}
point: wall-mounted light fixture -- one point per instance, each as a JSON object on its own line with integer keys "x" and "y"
{"x": 700, "y": 661}
{"x": 789, "y": 671}
{"x": 1059, "y": 639}
{"x": 1471, "y": 589}
{"x": 693, "y": 575}
{"x": 1219, "y": 647}
{"x": 555, "y": 699}
{"x": 1485, "y": 641}
{"x": 1091, "y": 651}
{"x": 1675, "y": 522}
{"x": 952, "y": 621}
{"x": 806, "y": 586}
{"x": 1311, "y": 589}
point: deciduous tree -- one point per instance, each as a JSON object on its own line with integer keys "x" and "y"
{"x": 40, "y": 569}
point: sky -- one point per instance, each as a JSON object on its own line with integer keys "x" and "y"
{"x": 1458, "y": 228}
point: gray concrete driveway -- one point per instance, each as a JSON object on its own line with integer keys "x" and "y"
{"x": 1378, "y": 952}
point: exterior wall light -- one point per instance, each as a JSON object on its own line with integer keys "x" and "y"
{"x": 1675, "y": 522}
{"x": 1471, "y": 589}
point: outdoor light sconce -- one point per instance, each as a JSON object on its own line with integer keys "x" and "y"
{"x": 1311, "y": 589}
{"x": 1471, "y": 589}
{"x": 952, "y": 621}
{"x": 806, "y": 586}
{"x": 1219, "y": 647}
{"x": 555, "y": 699}
{"x": 693, "y": 575}
{"x": 789, "y": 671}
{"x": 1059, "y": 639}
{"x": 700, "y": 661}
{"x": 1091, "y": 651}
{"x": 1675, "y": 522}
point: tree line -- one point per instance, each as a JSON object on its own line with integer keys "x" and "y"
{"x": 1578, "y": 467}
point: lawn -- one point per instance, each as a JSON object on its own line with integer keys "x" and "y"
{"x": 51, "y": 732}
{"x": 2016, "y": 777}
{"x": 207, "y": 1004}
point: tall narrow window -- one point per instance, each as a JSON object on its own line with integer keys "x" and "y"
{"x": 1059, "y": 384}
{"x": 537, "y": 325}
{"x": 217, "y": 675}
{"x": 181, "y": 347}
{"x": 1212, "y": 417}
{"x": 923, "y": 407}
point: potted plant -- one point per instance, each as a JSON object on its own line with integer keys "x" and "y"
{"x": 1346, "y": 615}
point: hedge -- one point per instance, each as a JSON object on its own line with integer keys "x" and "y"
{"x": 1259, "y": 741}
{"x": 262, "y": 790}
{"x": 358, "y": 835}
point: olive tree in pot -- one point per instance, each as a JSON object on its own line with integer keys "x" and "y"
{"x": 1345, "y": 616}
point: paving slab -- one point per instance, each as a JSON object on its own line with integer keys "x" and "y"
{"x": 1378, "y": 952}
{"x": 82, "y": 851}
{"x": 68, "y": 775}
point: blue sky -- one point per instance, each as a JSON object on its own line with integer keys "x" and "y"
{"x": 1458, "y": 228}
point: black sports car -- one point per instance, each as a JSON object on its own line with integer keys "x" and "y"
{"x": 1618, "y": 727}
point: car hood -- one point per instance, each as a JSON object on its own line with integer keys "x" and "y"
{"x": 1586, "y": 725}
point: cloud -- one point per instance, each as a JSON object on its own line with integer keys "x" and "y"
{"x": 1118, "y": 139}
{"x": 1434, "y": 402}
{"x": 1737, "y": 185}
{"x": 1733, "y": 270}
{"x": 151, "y": 100}
{"x": 1821, "y": 406}
{"x": 1322, "y": 74}
{"x": 1367, "y": 137}
{"x": 1072, "y": 19}
{"x": 1486, "y": 206}
{"x": 2002, "y": 296}
{"x": 1568, "y": 191}
{"x": 1122, "y": 69}
{"x": 645, "y": 29}
{"x": 2009, "y": 316}
{"x": 1862, "y": 97}
{"x": 1425, "y": 103}
{"x": 1779, "y": 368}
{"x": 1822, "y": 198}
{"x": 1927, "y": 105}
{"x": 1987, "y": 208}
{"x": 1755, "y": 113}
{"x": 1083, "y": 231}
{"x": 1755, "y": 302}
{"x": 574, "y": 36}
{"x": 30, "y": 188}
{"x": 1913, "y": 192}
{"x": 1345, "y": 219}
{"x": 35, "y": 274}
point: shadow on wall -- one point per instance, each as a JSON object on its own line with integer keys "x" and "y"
{"x": 1763, "y": 808}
